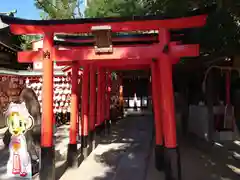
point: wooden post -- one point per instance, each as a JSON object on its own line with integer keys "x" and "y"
{"x": 92, "y": 111}
{"x": 85, "y": 113}
{"x": 172, "y": 156}
{"x": 159, "y": 147}
{"x": 103, "y": 104}
{"x": 99, "y": 100}
{"x": 108, "y": 102}
{"x": 47, "y": 170}
{"x": 72, "y": 146}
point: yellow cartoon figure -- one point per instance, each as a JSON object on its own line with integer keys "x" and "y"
{"x": 19, "y": 121}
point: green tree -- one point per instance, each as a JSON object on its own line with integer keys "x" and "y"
{"x": 114, "y": 8}
{"x": 59, "y": 9}
{"x": 221, "y": 35}
{"x": 53, "y": 9}
{"x": 27, "y": 41}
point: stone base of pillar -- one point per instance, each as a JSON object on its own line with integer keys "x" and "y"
{"x": 100, "y": 129}
{"x": 108, "y": 126}
{"x": 84, "y": 146}
{"x": 172, "y": 164}
{"x": 159, "y": 157}
{"x": 103, "y": 128}
{"x": 47, "y": 170}
{"x": 72, "y": 156}
{"x": 92, "y": 140}
{"x": 114, "y": 120}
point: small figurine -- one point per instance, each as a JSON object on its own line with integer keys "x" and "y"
{"x": 19, "y": 121}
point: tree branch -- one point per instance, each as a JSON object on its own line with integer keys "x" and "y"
{"x": 47, "y": 1}
{"x": 78, "y": 8}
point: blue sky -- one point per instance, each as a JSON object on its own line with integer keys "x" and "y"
{"x": 25, "y": 8}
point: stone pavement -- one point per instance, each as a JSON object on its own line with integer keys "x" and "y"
{"x": 121, "y": 156}
{"x": 201, "y": 161}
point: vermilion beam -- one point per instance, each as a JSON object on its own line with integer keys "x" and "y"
{"x": 119, "y": 53}
{"x": 115, "y": 39}
{"x": 128, "y": 67}
{"x": 114, "y": 64}
{"x": 147, "y": 25}
{"x": 123, "y": 66}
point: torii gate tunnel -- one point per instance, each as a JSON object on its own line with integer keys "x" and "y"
{"x": 100, "y": 60}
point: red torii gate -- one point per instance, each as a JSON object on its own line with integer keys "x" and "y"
{"x": 159, "y": 56}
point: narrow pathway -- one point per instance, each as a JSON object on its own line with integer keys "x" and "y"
{"x": 123, "y": 155}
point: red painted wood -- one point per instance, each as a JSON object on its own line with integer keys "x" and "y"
{"x": 114, "y": 39}
{"x": 178, "y": 23}
{"x": 167, "y": 96}
{"x": 93, "y": 100}
{"x": 85, "y": 102}
{"x": 108, "y": 101}
{"x": 156, "y": 103}
{"x": 137, "y": 53}
{"x": 47, "y": 96}
{"x": 118, "y": 64}
{"x": 100, "y": 77}
{"x": 103, "y": 97}
{"x": 74, "y": 105}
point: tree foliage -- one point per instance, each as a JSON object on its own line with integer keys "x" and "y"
{"x": 53, "y": 9}
{"x": 59, "y": 9}
{"x": 221, "y": 34}
{"x": 27, "y": 41}
{"x": 114, "y": 8}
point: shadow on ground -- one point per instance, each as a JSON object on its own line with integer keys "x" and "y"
{"x": 131, "y": 139}
{"x": 202, "y": 160}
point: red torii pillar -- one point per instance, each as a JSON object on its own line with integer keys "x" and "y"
{"x": 92, "y": 111}
{"x": 108, "y": 101}
{"x": 100, "y": 77}
{"x": 85, "y": 112}
{"x": 159, "y": 146}
{"x": 79, "y": 107}
{"x": 47, "y": 170}
{"x": 73, "y": 131}
{"x": 171, "y": 152}
{"x": 103, "y": 104}
{"x": 121, "y": 94}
